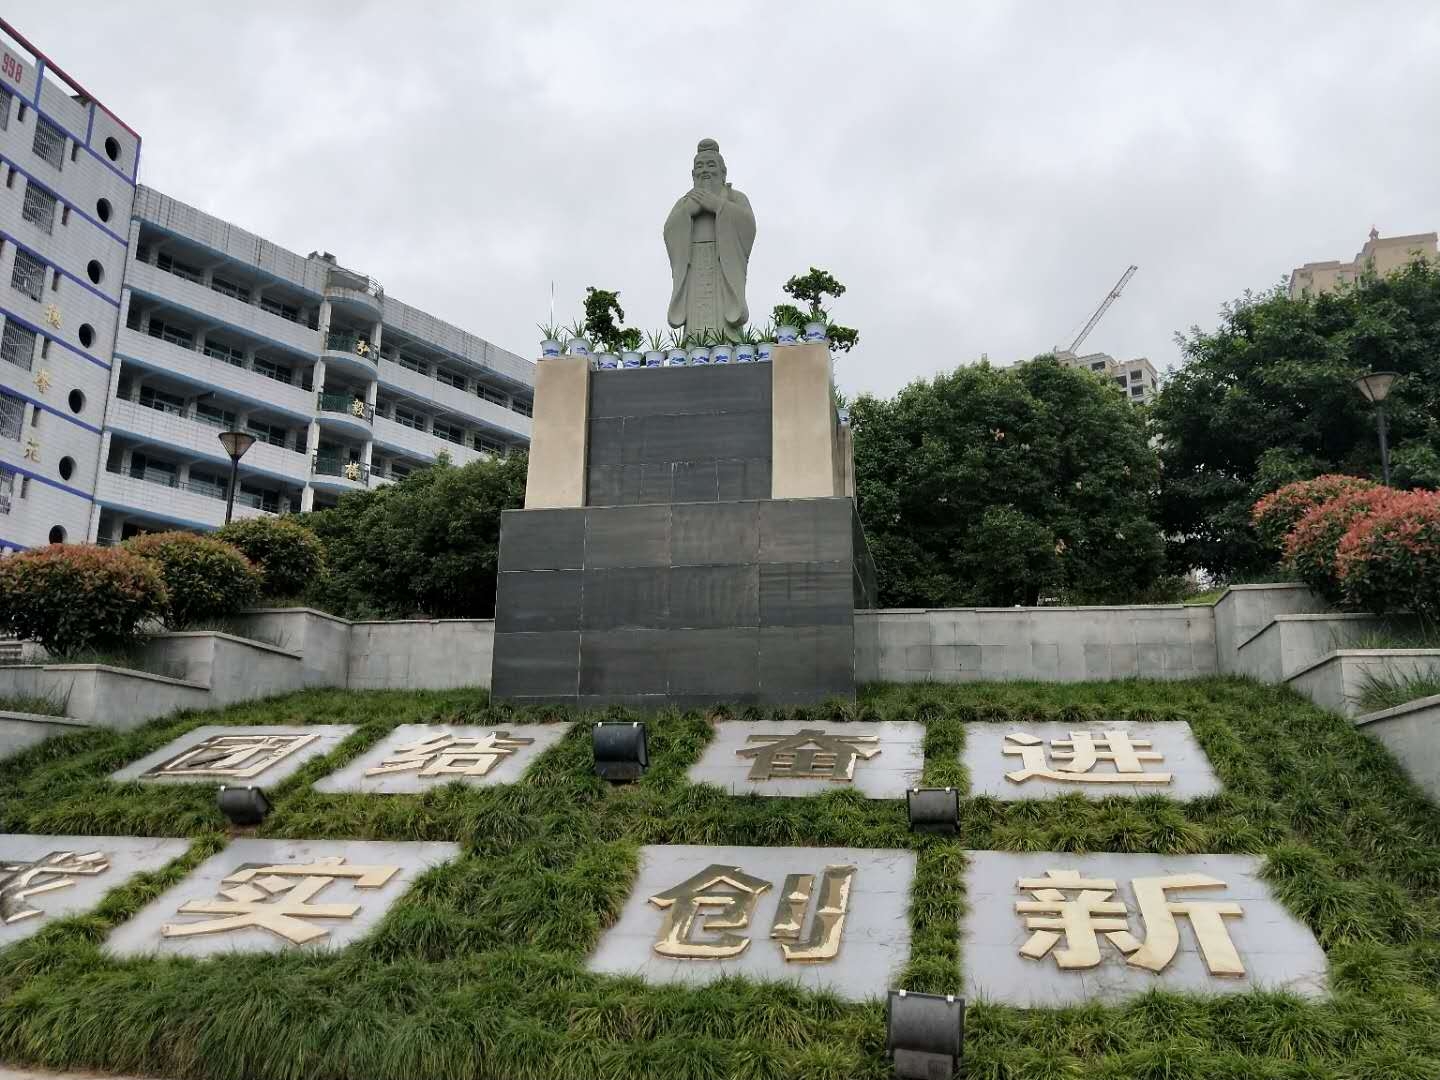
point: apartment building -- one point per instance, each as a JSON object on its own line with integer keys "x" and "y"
{"x": 343, "y": 386}
{"x": 68, "y": 168}
{"x": 1380, "y": 254}
{"x": 137, "y": 328}
{"x": 1136, "y": 378}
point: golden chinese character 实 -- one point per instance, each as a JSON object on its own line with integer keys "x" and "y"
{"x": 808, "y": 754}
{"x": 1075, "y": 759}
{"x": 22, "y": 879}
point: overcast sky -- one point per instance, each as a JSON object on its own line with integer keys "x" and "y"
{"x": 979, "y": 175}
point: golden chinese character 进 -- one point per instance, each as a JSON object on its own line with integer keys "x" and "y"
{"x": 808, "y": 754}
{"x": 450, "y": 755}
{"x": 1075, "y": 759}
{"x": 277, "y": 899}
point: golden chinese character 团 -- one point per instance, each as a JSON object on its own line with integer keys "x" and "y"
{"x": 449, "y": 755}
{"x": 1076, "y": 757}
{"x": 808, "y": 754}
{"x": 277, "y": 899}
{"x": 236, "y": 757}
{"x": 20, "y": 879}
{"x": 1079, "y": 920}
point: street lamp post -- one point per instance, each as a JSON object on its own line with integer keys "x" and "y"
{"x": 1376, "y": 387}
{"x": 235, "y": 444}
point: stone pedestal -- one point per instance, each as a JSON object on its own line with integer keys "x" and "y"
{"x": 680, "y": 579}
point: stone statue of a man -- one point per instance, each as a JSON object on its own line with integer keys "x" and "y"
{"x": 708, "y": 236}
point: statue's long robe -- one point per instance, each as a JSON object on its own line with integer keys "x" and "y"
{"x": 734, "y": 237}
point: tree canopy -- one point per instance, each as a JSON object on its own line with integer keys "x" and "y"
{"x": 1267, "y": 398}
{"x": 427, "y": 545}
{"x": 998, "y": 487}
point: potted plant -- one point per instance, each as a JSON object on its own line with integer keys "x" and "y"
{"x": 579, "y": 344}
{"x": 745, "y": 347}
{"x": 655, "y": 344}
{"x": 785, "y": 334}
{"x": 677, "y": 356}
{"x": 607, "y": 361}
{"x": 765, "y": 347}
{"x": 720, "y": 348}
{"x": 700, "y": 347}
{"x": 817, "y": 328}
{"x": 551, "y": 344}
{"x": 630, "y": 348}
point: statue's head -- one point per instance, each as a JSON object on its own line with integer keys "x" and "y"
{"x": 709, "y": 167}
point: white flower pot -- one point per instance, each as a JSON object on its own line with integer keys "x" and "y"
{"x": 744, "y": 354}
{"x": 699, "y": 355}
{"x": 815, "y": 331}
{"x": 607, "y": 361}
{"x": 676, "y": 358}
{"x": 550, "y": 347}
{"x": 786, "y": 335}
{"x": 578, "y": 347}
{"x": 629, "y": 359}
{"x": 720, "y": 354}
{"x": 764, "y": 351}
{"x": 655, "y": 358}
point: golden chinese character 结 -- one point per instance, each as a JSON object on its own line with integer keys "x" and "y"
{"x": 1077, "y": 756}
{"x": 236, "y": 757}
{"x": 808, "y": 754}
{"x": 277, "y": 899}
{"x": 20, "y": 880}
{"x": 1053, "y": 916}
{"x": 450, "y": 755}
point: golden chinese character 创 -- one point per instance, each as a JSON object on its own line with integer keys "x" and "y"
{"x": 1076, "y": 757}
{"x": 808, "y": 754}
{"x": 728, "y": 890}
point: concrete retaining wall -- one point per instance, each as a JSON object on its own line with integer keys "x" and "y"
{"x": 112, "y": 697}
{"x": 1244, "y": 610}
{"x": 1412, "y": 733}
{"x": 1292, "y": 642}
{"x": 438, "y": 654}
{"x": 19, "y": 731}
{"x": 1336, "y": 680}
{"x": 323, "y": 641}
{"x": 1164, "y": 641}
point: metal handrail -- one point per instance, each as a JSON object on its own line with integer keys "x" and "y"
{"x": 345, "y": 403}
{"x": 334, "y": 465}
{"x": 341, "y": 341}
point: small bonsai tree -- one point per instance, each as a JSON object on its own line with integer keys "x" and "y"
{"x": 603, "y": 316}
{"x": 811, "y": 289}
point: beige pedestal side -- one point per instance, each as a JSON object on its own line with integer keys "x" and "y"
{"x": 558, "y": 439}
{"x": 844, "y": 461}
{"x": 805, "y": 442}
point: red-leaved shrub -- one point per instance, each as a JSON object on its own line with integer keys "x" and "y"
{"x": 74, "y": 597}
{"x": 1311, "y": 545}
{"x": 1390, "y": 560}
{"x": 204, "y": 578}
{"x": 1276, "y": 514}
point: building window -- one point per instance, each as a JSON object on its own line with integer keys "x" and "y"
{"x": 449, "y": 378}
{"x": 39, "y": 208}
{"x": 275, "y": 307}
{"x": 483, "y": 391}
{"x": 412, "y": 365}
{"x": 161, "y": 401}
{"x": 49, "y": 142}
{"x": 17, "y": 345}
{"x": 179, "y": 269}
{"x": 152, "y": 471}
{"x": 524, "y": 408}
{"x": 406, "y": 418}
{"x": 489, "y": 446}
{"x": 1137, "y": 391}
{"x": 233, "y": 357}
{"x": 175, "y": 335}
{"x": 6, "y": 99}
{"x": 267, "y": 433}
{"x": 450, "y": 433}
{"x": 12, "y": 415}
{"x": 1120, "y": 382}
{"x": 29, "y": 275}
{"x": 215, "y": 416}
{"x": 1098, "y": 366}
{"x": 229, "y": 288}
{"x": 272, "y": 371}
{"x": 7, "y": 489}
{"x": 206, "y": 484}
{"x": 1135, "y": 376}
{"x": 399, "y": 471}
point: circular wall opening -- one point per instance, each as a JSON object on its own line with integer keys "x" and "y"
{"x": 94, "y": 271}
{"x": 87, "y": 335}
{"x": 77, "y": 401}
{"x": 67, "y": 468}
{"x": 102, "y": 209}
{"x": 112, "y": 148}
{"x": 57, "y": 535}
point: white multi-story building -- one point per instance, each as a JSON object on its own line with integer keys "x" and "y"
{"x": 138, "y": 328}
{"x": 1135, "y": 378}
{"x": 69, "y": 170}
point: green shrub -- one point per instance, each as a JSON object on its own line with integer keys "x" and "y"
{"x": 289, "y": 556}
{"x": 72, "y": 597}
{"x": 1311, "y": 546}
{"x": 1390, "y": 560}
{"x": 1276, "y": 514}
{"x": 205, "y": 578}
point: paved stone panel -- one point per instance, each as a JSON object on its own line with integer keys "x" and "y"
{"x": 887, "y": 775}
{"x": 122, "y": 858}
{"x": 874, "y": 942}
{"x": 1277, "y": 951}
{"x": 277, "y": 765}
{"x": 397, "y": 863}
{"x": 1191, "y": 775}
{"x": 442, "y": 754}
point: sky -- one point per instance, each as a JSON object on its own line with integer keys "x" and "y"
{"x": 978, "y": 174}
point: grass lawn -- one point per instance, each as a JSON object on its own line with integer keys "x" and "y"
{"x": 479, "y": 971}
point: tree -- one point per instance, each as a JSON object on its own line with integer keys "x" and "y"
{"x": 426, "y": 545}
{"x": 603, "y": 316}
{"x": 1267, "y": 398}
{"x": 998, "y": 487}
{"x": 811, "y": 289}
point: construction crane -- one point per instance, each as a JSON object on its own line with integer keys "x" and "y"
{"x": 1110, "y": 298}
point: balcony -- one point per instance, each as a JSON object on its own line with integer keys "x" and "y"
{"x": 197, "y": 438}
{"x": 335, "y": 473}
{"x": 351, "y": 353}
{"x": 398, "y": 438}
{"x": 214, "y": 306}
{"x": 452, "y": 399}
{"x": 195, "y": 506}
{"x": 356, "y": 293}
{"x": 209, "y": 373}
{"x": 345, "y": 412}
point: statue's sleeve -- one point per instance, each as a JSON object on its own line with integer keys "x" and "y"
{"x": 743, "y": 220}
{"x": 677, "y": 246}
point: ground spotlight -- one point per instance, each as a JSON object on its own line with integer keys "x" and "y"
{"x": 934, "y": 810}
{"x": 924, "y": 1034}
{"x": 620, "y": 750}
{"x": 244, "y": 806}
